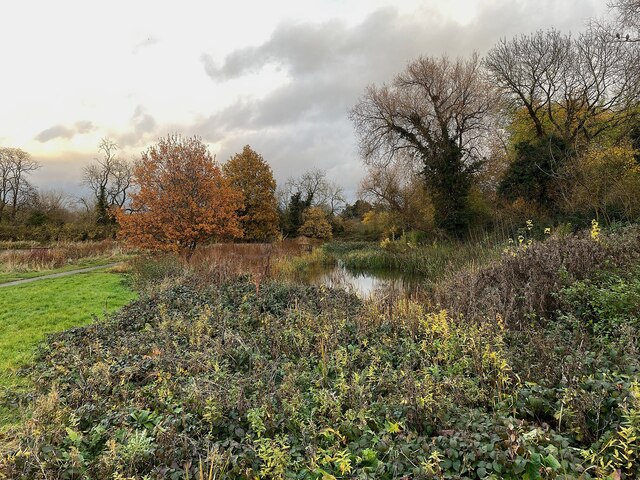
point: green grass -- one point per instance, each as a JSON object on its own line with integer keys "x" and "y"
{"x": 11, "y": 276}
{"x": 29, "y": 312}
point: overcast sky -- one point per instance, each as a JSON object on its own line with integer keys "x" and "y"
{"x": 279, "y": 75}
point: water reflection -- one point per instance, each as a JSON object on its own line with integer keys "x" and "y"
{"x": 366, "y": 284}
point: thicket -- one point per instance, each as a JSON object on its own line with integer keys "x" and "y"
{"x": 291, "y": 381}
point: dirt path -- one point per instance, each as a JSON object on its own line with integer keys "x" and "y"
{"x": 57, "y": 275}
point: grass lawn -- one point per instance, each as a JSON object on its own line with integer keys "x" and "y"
{"x": 85, "y": 263}
{"x": 29, "y": 312}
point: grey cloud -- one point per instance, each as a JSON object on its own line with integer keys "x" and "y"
{"x": 84, "y": 126}
{"x": 142, "y": 126}
{"x": 304, "y": 123}
{"x": 310, "y": 146}
{"x": 57, "y": 131}
{"x": 62, "y": 131}
{"x": 63, "y": 172}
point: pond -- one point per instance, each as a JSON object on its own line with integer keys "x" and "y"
{"x": 259, "y": 258}
{"x": 366, "y": 284}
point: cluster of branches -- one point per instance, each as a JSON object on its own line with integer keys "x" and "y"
{"x": 15, "y": 189}
{"x": 314, "y": 190}
{"x": 627, "y": 18}
{"x": 109, "y": 179}
{"x": 574, "y": 88}
{"x": 439, "y": 118}
{"x": 311, "y": 190}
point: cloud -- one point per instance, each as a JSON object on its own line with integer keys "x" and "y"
{"x": 142, "y": 126}
{"x": 84, "y": 126}
{"x": 61, "y": 131}
{"x": 144, "y": 43}
{"x": 303, "y": 123}
{"x": 57, "y": 131}
{"x": 62, "y": 172}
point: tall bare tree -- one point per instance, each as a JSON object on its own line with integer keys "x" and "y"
{"x": 15, "y": 166}
{"x": 316, "y": 190}
{"x": 433, "y": 112}
{"x": 109, "y": 177}
{"x": 572, "y": 88}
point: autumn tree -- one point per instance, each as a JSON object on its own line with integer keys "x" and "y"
{"x": 182, "y": 199}
{"x": 315, "y": 224}
{"x": 606, "y": 184}
{"x": 564, "y": 95}
{"x": 248, "y": 173}
{"x": 434, "y": 113}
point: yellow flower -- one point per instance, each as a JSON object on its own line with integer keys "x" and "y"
{"x": 595, "y": 229}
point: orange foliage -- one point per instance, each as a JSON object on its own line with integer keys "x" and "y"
{"x": 249, "y": 173}
{"x": 181, "y": 199}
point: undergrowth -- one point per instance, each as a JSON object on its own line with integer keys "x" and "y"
{"x": 277, "y": 380}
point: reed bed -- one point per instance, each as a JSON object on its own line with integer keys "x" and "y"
{"x": 216, "y": 263}
{"x": 57, "y": 255}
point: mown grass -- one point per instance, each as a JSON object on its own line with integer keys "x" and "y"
{"x": 29, "y": 312}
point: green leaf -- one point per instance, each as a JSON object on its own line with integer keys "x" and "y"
{"x": 551, "y": 461}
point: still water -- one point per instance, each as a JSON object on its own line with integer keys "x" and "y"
{"x": 366, "y": 284}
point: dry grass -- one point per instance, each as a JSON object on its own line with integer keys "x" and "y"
{"x": 257, "y": 259}
{"x": 215, "y": 264}
{"x": 56, "y": 255}
{"x": 523, "y": 285}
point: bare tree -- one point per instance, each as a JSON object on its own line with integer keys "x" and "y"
{"x": 385, "y": 186}
{"x": 400, "y": 191}
{"x": 15, "y": 166}
{"x": 51, "y": 206}
{"x": 335, "y": 198}
{"x": 311, "y": 185}
{"x": 109, "y": 177}
{"x": 433, "y": 112}
{"x": 572, "y": 88}
{"x": 316, "y": 190}
{"x": 628, "y": 16}
{"x": 5, "y": 175}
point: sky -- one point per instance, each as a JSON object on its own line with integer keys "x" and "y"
{"x": 279, "y": 75}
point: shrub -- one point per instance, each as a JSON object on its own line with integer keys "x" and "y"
{"x": 523, "y": 285}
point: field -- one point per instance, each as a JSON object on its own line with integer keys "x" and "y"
{"x": 523, "y": 365}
